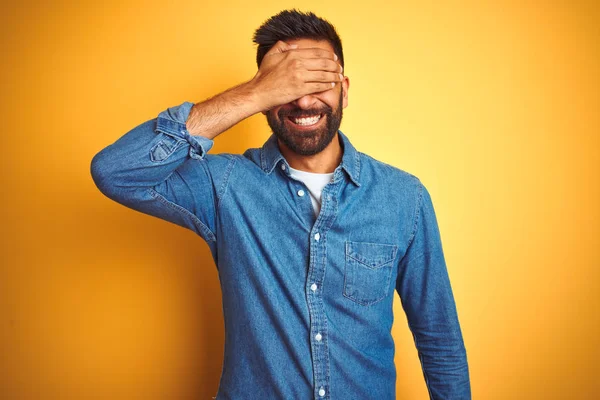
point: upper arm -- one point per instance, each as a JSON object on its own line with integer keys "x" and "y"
{"x": 160, "y": 169}
{"x": 193, "y": 192}
{"x": 423, "y": 282}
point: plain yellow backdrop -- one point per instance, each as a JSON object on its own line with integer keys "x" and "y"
{"x": 494, "y": 105}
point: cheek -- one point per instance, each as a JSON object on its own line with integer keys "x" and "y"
{"x": 330, "y": 100}
{"x": 333, "y": 97}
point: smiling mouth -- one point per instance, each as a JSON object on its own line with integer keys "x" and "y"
{"x": 306, "y": 121}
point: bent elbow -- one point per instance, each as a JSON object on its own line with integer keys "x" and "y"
{"x": 102, "y": 174}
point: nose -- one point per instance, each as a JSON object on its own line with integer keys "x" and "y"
{"x": 305, "y": 102}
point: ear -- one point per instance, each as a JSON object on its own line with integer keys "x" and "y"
{"x": 345, "y": 86}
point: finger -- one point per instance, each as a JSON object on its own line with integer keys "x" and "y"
{"x": 280, "y": 47}
{"x": 321, "y": 64}
{"x": 289, "y": 47}
{"x": 322, "y": 76}
{"x": 316, "y": 87}
{"x": 315, "y": 52}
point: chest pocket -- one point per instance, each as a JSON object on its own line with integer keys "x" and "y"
{"x": 368, "y": 271}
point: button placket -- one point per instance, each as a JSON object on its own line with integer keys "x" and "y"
{"x": 316, "y": 307}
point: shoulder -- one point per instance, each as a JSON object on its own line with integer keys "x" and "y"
{"x": 225, "y": 163}
{"x": 377, "y": 172}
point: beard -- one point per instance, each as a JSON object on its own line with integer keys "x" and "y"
{"x": 307, "y": 143}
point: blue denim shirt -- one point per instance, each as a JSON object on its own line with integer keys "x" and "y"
{"x": 307, "y": 301}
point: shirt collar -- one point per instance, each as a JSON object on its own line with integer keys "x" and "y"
{"x": 270, "y": 155}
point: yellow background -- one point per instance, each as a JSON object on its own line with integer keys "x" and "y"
{"x": 494, "y": 105}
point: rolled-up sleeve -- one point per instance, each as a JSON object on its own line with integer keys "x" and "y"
{"x": 425, "y": 291}
{"x": 160, "y": 169}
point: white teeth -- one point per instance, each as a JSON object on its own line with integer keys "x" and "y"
{"x": 307, "y": 121}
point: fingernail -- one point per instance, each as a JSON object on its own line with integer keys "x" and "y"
{"x": 342, "y": 68}
{"x": 341, "y": 77}
{"x": 335, "y": 57}
{"x": 293, "y": 46}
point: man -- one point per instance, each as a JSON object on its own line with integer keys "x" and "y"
{"x": 310, "y": 236}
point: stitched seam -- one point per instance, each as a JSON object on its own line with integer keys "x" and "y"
{"x": 416, "y": 223}
{"x": 393, "y": 247}
{"x": 262, "y": 159}
{"x": 377, "y": 266}
{"x": 357, "y": 167}
{"x": 418, "y": 214}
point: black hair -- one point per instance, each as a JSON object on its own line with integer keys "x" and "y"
{"x": 294, "y": 24}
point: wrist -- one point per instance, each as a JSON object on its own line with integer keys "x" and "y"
{"x": 253, "y": 97}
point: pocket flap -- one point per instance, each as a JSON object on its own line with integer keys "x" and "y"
{"x": 373, "y": 255}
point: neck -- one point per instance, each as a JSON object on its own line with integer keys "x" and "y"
{"x": 321, "y": 163}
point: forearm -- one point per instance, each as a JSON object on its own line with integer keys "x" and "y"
{"x": 442, "y": 353}
{"x": 215, "y": 115}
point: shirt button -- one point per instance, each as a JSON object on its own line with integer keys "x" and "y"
{"x": 300, "y": 192}
{"x": 317, "y": 236}
{"x": 313, "y": 287}
{"x": 282, "y": 166}
{"x": 322, "y": 391}
{"x": 318, "y": 337}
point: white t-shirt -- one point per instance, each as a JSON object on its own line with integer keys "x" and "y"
{"x": 315, "y": 183}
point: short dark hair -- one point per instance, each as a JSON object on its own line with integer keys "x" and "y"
{"x": 294, "y": 24}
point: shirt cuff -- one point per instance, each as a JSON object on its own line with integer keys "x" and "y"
{"x": 172, "y": 122}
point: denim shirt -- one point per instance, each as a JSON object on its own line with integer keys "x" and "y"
{"x": 307, "y": 300}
